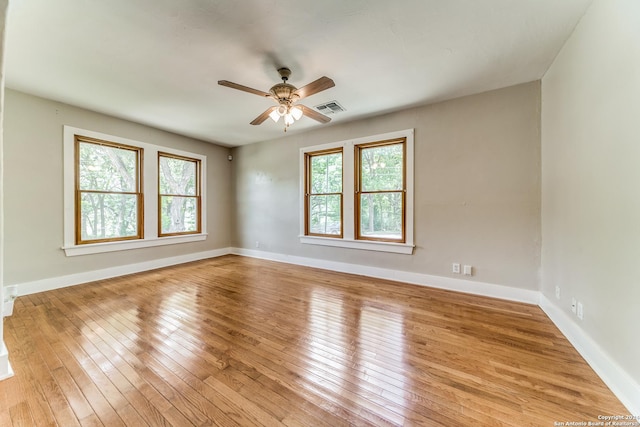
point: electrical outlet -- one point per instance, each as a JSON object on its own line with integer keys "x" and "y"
{"x": 468, "y": 270}
{"x": 257, "y": 243}
{"x": 455, "y": 267}
{"x": 573, "y": 305}
{"x": 10, "y": 295}
{"x": 580, "y": 311}
{"x": 557, "y": 292}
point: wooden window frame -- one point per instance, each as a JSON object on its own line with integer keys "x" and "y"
{"x": 348, "y": 239}
{"x": 308, "y": 194}
{"x": 198, "y": 196}
{"x": 358, "y": 148}
{"x": 78, "y": 192}
{"x": 148, "y": 187}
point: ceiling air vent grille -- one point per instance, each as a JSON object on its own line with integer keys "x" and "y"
{"x": 331, "y": 107}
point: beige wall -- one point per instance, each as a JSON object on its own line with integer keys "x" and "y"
{"x": 477, "y": 179}
{"x": 591, "y": 178}
{"x": 33, "y": 189}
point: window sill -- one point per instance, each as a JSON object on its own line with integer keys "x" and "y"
{"x": 95, "y": 248}
{"x": 397, "y": 248}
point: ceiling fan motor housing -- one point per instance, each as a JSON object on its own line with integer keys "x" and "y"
{"x": 284, "y": 92}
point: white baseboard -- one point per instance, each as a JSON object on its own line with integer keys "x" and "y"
{"x": 620, "y": 383}
{"x": 5, "y": 366}
{"x": 121, "y": 270}
{"x": 448, "y": 283}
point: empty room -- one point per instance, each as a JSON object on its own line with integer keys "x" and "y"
{"x": 300, "y": 213}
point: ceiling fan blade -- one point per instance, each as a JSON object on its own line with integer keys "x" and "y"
{"x": 313, "y": 114}
{"x": 264, "y": 116}
{"x": 323, "y": 83}
{"x": 243, "y": 88}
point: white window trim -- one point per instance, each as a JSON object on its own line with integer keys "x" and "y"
{"x": 348, "y": 226}
{"x": 150, "y": 191}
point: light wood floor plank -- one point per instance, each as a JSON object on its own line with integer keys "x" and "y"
{"x": 236, "y": 341}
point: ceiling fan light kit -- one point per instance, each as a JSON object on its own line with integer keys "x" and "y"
{"x": 290, "y": 114}
{"x": 286, "y": 96}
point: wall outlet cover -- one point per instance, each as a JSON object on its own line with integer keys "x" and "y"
{"x": 580, "y": 311}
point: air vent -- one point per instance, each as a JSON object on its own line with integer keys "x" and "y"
{"x": 330, "y": 107}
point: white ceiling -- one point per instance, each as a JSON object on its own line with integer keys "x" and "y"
{"x": 157, "y": 62}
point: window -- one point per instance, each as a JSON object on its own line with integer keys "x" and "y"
{"x": 108, "y": 199}
{"x": 359, "y": 193}
{"x": 123, "y": 194}
{"x": 380, "y": 190}
{"x": 178, "y": 195}
{"x": 323, "y": 193}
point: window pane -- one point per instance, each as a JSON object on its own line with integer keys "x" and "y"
{"x": 178, "y": 214}
{"x": 381, "y": 168}
{"x": 104, "y": 168}
{"x": 326, "y": 173}
{"x": 324, "y": 214}
{"x": 108, "y": 216}
{"x": 177, "y": 176}
{"x": 381, "y": 215}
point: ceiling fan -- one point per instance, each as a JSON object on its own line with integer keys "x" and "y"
{"x": 286, "y": 96}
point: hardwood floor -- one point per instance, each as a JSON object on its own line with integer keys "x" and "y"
{"x": 239, "y": 341}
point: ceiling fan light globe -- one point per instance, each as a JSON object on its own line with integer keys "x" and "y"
{"x": 288, "y": 119}
{"x": 282, "y": 110}
{"x": 296, "y": 112}
{"x": 275, "y": 116}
